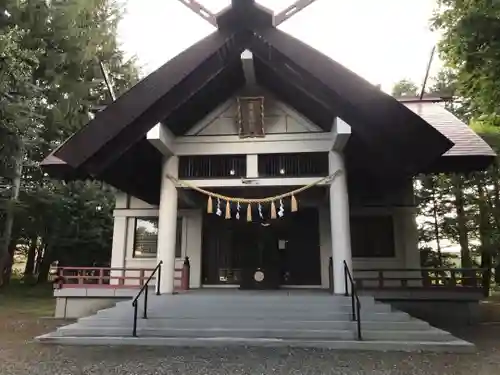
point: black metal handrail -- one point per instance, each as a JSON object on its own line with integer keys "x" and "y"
{"x": 144, "y": 290}
{"x": 355, "y": 302}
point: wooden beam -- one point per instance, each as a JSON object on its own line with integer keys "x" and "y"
{"x": 292, "y": 10}
{"x": 200, "y": 10}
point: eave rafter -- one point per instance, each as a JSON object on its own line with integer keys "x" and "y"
{"x": 200, "y": 10}
{"x": 291, "y": 11}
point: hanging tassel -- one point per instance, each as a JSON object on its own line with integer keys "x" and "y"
{"x": 273, "y": 210}
{"x": 249, "y": 212}
{"x": 238, "y": 207}
{"x": 260, "y": 212}
{"x": 294, "y": 204}
{"x": 228, "y": 210}
{"x": 210, "y": 207}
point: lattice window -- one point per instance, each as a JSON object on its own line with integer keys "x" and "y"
{"x": 293, "y": 165}
{"x": 212, "y": 166}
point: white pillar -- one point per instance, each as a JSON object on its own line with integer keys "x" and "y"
{"x": 167, "y": 222}
{"x": 409, "y": 243}
{"x": 339, "y": 222}
{"x": 119, "y": 248}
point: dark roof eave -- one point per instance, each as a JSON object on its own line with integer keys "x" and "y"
{"x": 128, "y": 118}
{"x": 373, "y": 114}
{"x": 460, "y": 164}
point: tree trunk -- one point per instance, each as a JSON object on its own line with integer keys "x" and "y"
{"x": 30, "y": 259}
{"x": 463, "y": 236}
{"x": 495, "y": 210}
{"x": 484, "y": 235}
{"x": 43, "y": 274}
{"x": 436, "y": 222}
{"x": 7, "y": 271}
{"x": 9, "y": 219}
{"x": 496, "y": 188}
{"x": 39, "y": 257}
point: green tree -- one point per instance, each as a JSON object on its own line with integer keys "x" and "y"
{"x": 67, "y": 39}
{"x": 18, "y": 122}
{"x": 405, "y": 87}
{"x": 471, "y": 47}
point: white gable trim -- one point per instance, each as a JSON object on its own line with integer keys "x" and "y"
{"x": 162, "y": 138}
{"x": 298, "y": 117}
{"x": 342, "y": 131}
{"x": 211, "y": 117}
{"x": 270, "y": 144}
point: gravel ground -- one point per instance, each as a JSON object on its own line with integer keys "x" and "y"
{"x": 19, "y": 355}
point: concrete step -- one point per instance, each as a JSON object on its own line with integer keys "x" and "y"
{"x": 456, "y": 346}
{"x": 93, "y": 321}
{"x": 234, "y": 309}
{"x": 324, "y": 300}
{"x": 179, "y": 300}
{"x": 395, "y": 316}
{"x": 320, "y": 321}
{"x": 270, "y": 333}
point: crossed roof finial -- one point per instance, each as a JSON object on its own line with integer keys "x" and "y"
{"x": 279, "y": 18}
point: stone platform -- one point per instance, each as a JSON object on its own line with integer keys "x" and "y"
{"x": 295, "y": 318}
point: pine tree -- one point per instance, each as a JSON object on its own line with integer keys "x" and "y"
{"x": 65, "y": 40}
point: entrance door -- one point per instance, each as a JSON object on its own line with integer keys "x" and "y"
{"x": 299, "y": 248}
{"x": 258, "y": 245}
{"x": 262, "y": 254}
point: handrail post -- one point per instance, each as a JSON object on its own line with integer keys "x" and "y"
{"x": 353, "y": 307}
{"x": 358, "y": 320}
{"x": 134, "y": 331}
{"x": 158, "y": 279}
{"x": 355, "y": 302}
{"x": 145, "y": 289}
{"x": 346, "y": 279}
{"x": 145, "y": 314}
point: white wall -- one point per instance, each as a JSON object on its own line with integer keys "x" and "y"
{"x": 406, "y": 251}
{"x": 127, "y": 209}
{"x": 278, "y": 118}
{"x": 405, "y": 244}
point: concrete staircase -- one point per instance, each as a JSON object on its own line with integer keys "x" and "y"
{"x": 281, "y": 318}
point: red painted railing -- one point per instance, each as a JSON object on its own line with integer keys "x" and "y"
{"x": 108, "y": 277}
{"x": 456, "y": 279}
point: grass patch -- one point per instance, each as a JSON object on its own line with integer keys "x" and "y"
{"x": 23, "y": 300}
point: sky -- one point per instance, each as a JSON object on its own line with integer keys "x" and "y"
{"x": 384, "y": 41}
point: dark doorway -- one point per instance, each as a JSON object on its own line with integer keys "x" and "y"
{"x": 258, "y": 246}
{"x": 264, "y": 254}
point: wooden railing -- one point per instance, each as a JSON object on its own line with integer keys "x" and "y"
{"x": 104, "y": 277}
{"x": 420, "y": 278}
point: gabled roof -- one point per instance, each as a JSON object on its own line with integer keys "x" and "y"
{"x": 188, "y": 87}
{"x": 468, "y": 150}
